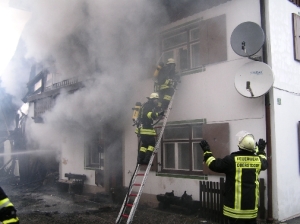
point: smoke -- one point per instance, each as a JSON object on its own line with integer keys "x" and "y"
{"x": 110, "y": 43}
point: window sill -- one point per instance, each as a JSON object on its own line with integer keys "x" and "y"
{"x": 202, "y": 177}
{"x": 92, "y": 168}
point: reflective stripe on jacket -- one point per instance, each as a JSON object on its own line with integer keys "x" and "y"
{"x": 167, "y": 84}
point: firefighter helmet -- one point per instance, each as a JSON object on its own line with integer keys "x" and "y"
{"x": 154, "y": 96}
{"x": 171, "y": 61}
{"x": 246, "y": 141}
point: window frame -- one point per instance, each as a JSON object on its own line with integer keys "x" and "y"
{"x": 93, "y": 142}
{"x": 206, "y": 56}
{"x": 191, "y": 141}
{"x": 186, "y": 28}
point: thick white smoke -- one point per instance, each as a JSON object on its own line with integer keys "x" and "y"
{"x": 112, "y": 41}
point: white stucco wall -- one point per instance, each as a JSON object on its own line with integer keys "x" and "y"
{"x": 286, "y": 165}
{"x": 210, "y": 94}
{"x": 72, "y": 158}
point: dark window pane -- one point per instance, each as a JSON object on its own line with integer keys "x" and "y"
{"x": 176, "y": 133}
{"x": 174, "y": 41}
{"x": 183, "y": 56}
{"x": 195, "y": 54}
{"x": 169, "y": 156}
{"x": 197, "y": 131}
{"x": 183, "y": 156}
{"x": 194, "y": 34}
{"x": 197, "y": 157}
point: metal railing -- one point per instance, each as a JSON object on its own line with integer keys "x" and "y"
{"x": 63, "y": 83}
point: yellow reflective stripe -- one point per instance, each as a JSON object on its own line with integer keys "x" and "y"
{"x": 209, "y": 160}
{"x": 150, "y": 148}
{"x": 12, "y": 220}
{"x": 5, "y": 202}
{"x": 147, "y": 131}
{"x": 237, "y": 213}
{"x": 149, "y": 115}
{"x": 143, "y": 149}
{"x": 167, "y": 84}
{"x": 167, "y": 97}
{"x": 257, "y": 186}
{"x": 262, "y": 156}
{"x": 238, "y": 188}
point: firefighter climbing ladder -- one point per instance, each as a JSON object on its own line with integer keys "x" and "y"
{"x": 136, "y": 184}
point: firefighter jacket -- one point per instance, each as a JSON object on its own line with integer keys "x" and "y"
{"x": 165, "y": 78}
{"x": 8, "y": 213}
{"x": 146, "y": 117}
{"x": 242, "y": 169}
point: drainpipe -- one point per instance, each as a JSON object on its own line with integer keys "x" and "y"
{"x": 268, "y": 122}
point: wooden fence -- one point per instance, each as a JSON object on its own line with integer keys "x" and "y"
{"x": 211, "y": 201}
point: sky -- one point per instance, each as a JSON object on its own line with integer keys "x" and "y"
{"x": 12, "y": 22}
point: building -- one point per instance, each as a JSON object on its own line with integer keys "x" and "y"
{"x": 207, "y": 96}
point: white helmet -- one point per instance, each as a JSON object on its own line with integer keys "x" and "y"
{"x": 246, "y": 141}
{"x": 154, "y": 96}
{"x": 171, "y": 61}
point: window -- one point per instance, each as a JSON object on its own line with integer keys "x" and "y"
{"x": 180, "y": 149}
{"x": 196, "y": 44}
{"x": 296, "y": 33}
{"x": 38, "y": 86}
{"x": 94, "y": 152}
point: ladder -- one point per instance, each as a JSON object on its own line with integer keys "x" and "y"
{"x": 139, "y": 178}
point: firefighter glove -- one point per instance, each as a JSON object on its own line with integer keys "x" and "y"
{"x": 261, "y": 145}
{"x": 205, "y": 146}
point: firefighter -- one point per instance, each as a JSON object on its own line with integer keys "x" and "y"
{"x": 242, "y": 169}
{"x": 145, "y": 130}
{"x": 165, "y": 82}
{"x": 8, "y": 213}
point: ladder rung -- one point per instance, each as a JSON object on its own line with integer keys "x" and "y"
{"x": 125, "y": 216}
{"x": 133, "y": 195}
{"x": 136, "y": 184}
{"x": 129, "y": 205}
{"x": 140, "y": 174}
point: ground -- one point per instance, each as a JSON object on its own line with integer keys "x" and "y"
{"x": 43, "y": 204}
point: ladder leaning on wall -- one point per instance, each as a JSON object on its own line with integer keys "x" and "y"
{"x": 139, "y": 178}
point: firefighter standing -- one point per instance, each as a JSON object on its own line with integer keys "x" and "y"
{"x": 8, "y": 213}
{"x": 165, "y": 82}
{"x": 145, "y": 129}
{"x": 242, "y": 169}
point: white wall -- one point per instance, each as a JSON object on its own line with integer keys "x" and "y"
{"x": 286, "y": 168}
{"x": 72, "y": 158}
{"x": 210, "y": 94}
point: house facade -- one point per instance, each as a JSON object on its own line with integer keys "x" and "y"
{"x": 207, "y": 105}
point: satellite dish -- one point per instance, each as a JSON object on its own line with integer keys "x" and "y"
{"x": 254, "y": 79}
{"x": 247, "y": 39}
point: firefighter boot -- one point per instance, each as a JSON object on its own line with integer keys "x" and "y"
{"x": 147, "y": 157}
{"x": 141, "y": 157}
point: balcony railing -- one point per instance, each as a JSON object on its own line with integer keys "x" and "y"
{"x": 66, "y": 82}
